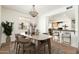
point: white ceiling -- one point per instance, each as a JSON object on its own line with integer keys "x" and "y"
{"x": 42, "y": 9}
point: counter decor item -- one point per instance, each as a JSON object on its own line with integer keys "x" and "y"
{"x": 65, "y": 27}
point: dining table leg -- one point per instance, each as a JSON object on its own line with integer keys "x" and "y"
{"x": 49, "y": 46}
{"x": 23, "y": 49}
{"x": 37, "y": 46}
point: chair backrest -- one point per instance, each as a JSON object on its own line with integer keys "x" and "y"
{"x": 16, "y": 36}
{"x": 50, "y": 31}
{"x": 21, "y": 39}
{"x": 66, "y": 35}
{"x": 56, "y": 33}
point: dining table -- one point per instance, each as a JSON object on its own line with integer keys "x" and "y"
{"x": 38, "y": 38}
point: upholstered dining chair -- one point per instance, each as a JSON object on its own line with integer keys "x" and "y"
{"x": 23, "y": 44}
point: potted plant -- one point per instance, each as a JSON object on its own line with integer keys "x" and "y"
{"x": 8, "y": 27}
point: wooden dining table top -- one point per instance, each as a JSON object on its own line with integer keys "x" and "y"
{"x": 37, "y": 37}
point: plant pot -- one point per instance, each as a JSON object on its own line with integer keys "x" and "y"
{"x": 8, "y": 39}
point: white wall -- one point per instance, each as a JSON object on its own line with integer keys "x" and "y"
{"x": 42, "y": 24}
{"x": 0, "y": 25}
{"x": 15, "y": 17}
{"x": 77, "y": 25}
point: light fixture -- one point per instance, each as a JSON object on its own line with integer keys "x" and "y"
{"x": 33, "y": 13}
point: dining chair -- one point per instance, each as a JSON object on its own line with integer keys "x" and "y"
{"x": 23, "y": 44}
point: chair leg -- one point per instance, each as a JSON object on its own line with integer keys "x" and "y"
{"x": 30, "y": 51}
{"x": 44, "y": 48}
{"x": 70, "y": 40}
{"x": 34, "y": 49}
{"x": 15, "y": 47}
{"x": 23, "y": 49}
{"x": 18, "y": 49}
{"x": 49, "y": 46}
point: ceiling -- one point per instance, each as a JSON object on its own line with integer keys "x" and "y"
{"x": 42, "y": 9}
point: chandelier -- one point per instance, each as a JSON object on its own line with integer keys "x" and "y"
{"x": 33, "y": 13}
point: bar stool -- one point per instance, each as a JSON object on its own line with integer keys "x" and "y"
{"x": 66, "y": 38}
{"x": 56, "y": 36}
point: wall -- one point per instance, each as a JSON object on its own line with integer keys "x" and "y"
{"x": 15, "y": 17}
{"x": 77, "y": 24}
{"x": 0, "y": 25}
{"x": 42, "y": 24}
